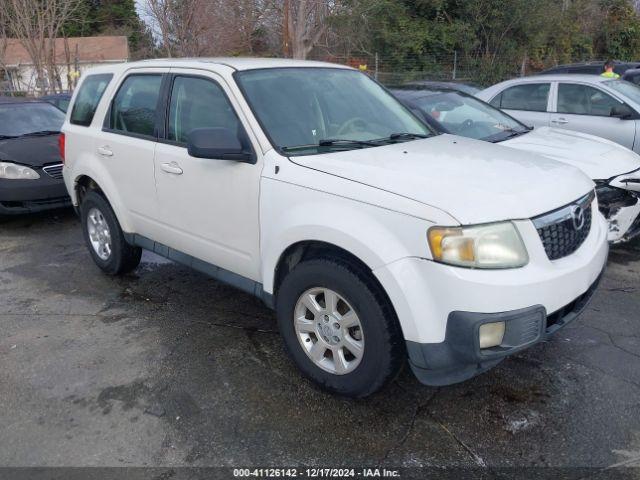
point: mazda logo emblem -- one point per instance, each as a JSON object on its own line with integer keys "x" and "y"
{"x": 577, "y": 215}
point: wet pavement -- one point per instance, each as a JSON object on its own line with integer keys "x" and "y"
{"x": 166, "y": 367}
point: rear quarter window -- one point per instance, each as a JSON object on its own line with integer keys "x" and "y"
{"x": 88, "y": 98}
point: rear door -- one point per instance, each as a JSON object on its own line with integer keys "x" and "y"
{"x": 127, "y": 142}
{"x": 585, "y": 108}
{"x": 528, "y": 102}
{"x": 210, "y": 206}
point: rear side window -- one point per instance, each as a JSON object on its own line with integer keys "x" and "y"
{"x": 88, "y": 97}
{"x": 135, "y": 105}
{"x": 532, "y": 97}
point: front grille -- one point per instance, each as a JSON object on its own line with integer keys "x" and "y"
{"x": 54, "y": 171}
{"x": 563, "y": 231}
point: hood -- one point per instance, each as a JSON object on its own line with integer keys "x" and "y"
{"x": 473, "y": 181}
{"x": 31, "y": 151}
{"x": 597, "y": 157}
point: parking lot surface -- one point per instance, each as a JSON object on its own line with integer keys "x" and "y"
{"x": 166, "y": 367}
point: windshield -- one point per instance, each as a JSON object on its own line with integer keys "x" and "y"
{"x": 313, "y": 110}
{"x": 628, "y": 89}
{"x": 463, "y": 115}
{"x": 18, "y": 119}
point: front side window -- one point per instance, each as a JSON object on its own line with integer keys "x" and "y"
{"x": 531, "y": 97}
{"x": 584, "y": 100}
{"x": 87, "y": 99}
{"x": 629, "y": 89}
{"x": 18, "y": 119}
{"x": 464, "y": 115}
{"x": 134, "y": 108}
{"x": 198, "y": 103}
{"x": 314, "y": 110}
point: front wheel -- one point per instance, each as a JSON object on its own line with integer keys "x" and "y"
{"x": 105, "y": 238}
{"x": 339, "y": 328}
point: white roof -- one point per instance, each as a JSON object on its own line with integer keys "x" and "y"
{"x": 559, "y": 77}
{"x": 236, "y": 63}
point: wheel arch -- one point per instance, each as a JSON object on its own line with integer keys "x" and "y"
{"x": 85, "y": 182}
{"x": 314, "y": 249}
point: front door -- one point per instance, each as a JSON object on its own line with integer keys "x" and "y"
{"x": 209, "y": 206}
{"x": 586, "y": 109}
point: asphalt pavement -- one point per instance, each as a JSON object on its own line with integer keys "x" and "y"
{"x": 166, "y": 367}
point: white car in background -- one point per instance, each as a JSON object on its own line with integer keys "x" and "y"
{"x": 614, "y": 169}
{"x": 604, "y": 107}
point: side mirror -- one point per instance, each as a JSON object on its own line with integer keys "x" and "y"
{"x": 622, "y": 111}
{"x": 218, "y": 144}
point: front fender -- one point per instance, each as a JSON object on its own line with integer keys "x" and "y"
{"x": 291, "y": 214}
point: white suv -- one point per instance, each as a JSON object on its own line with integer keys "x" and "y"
{"x": 308, "y": 185}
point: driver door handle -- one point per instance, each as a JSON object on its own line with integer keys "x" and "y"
{"x": 105, "y": 151}
{"x": 172, "y": 168}
{"x": 560, "y": 121}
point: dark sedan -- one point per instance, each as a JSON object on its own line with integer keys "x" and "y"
{"x": 468, "y": 88}
{"x": 30, "y": 162}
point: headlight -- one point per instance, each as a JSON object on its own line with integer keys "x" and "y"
{"x": 12, "y": 171}
{"x": 496, "y": 245}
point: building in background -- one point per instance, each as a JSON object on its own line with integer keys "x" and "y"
{"x": 72, "y": 57}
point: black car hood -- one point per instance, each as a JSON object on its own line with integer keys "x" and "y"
{"x": 31, "y": 151}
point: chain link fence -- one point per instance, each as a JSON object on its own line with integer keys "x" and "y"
{"x": 435, "y": 67}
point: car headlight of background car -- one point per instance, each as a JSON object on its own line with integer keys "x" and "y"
{"x": 495, "y": 245}
{"x": 13, "y": 171}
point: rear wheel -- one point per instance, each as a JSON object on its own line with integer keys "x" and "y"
{"x": 339, "y": 328}
{"x": 105, "y": 238}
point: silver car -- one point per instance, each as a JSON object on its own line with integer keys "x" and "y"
{"x": 584, "y": 103}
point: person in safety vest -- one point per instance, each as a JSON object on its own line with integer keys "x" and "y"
{"x": 608, "y": 70}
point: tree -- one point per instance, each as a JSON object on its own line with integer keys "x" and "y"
{"x": 619, "y": 36}
{"x": 36, "y": 24}
{"x": 304, "y": 24}
{"x": 181, "y": 25}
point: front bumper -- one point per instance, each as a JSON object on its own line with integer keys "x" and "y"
{"x": 460, "y": 357}
{"x": 29, "y": 196}
{"x": 433, "y": 301}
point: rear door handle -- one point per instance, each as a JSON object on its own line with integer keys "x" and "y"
{"x": 172, "y": 168}
{"x": 105, "y": 151}
{"x": 560, "y": 121}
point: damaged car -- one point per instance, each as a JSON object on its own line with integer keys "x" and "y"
{"x": 614, "y": 168}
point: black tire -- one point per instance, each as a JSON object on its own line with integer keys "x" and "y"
{"x": 124, "y": 257}
{"x": 384, "y": 348}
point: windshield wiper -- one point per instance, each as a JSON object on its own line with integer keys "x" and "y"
{"x": 407, "y": 135}
{"x": 403, "y": 136}
{"x": 328, "y": 143}
{"x": 343, "y": 142}
{"x": 511, "y": 133}
{"x": 41, "y": 133}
